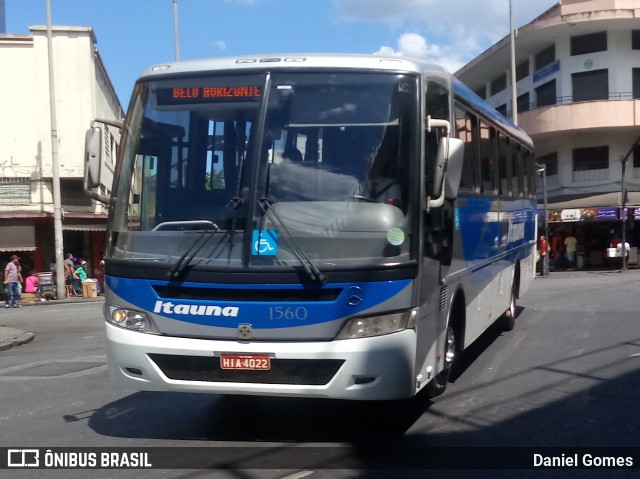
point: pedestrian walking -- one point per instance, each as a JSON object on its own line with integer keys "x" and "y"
{"x": 12, "y": 280}
{"x": 543, "y": 249}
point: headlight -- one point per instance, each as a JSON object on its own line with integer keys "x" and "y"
{"x": 130, "y": 319}
{"x": 370, "y": 326}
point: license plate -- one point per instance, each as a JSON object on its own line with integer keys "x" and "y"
{"x": 245, "y": 362}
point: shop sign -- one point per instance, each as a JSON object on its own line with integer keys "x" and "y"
{"x": 546, "y": 70}
{"x": 589, "y": 214}
{"x": 607, "y": 214}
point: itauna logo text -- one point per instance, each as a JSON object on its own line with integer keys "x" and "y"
{"x": 167, "y": 307}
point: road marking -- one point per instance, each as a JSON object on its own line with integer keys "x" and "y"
{"x": 635, "y": 355}
{"x": 111, "y": 412}
{"x": 298, "y": 475}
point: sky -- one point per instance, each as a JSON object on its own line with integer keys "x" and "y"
{"x": 133, "y": 35}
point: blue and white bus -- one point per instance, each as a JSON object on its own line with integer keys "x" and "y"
{"x": 329, "y": 226}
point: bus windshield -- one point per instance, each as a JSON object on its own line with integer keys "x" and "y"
{"x": 247, "y": 170}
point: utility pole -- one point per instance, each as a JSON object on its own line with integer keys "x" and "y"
{"x": 514, "y": 92}
{"x": 61, "y": 290}
{"x": 542, "y": 169}
{"x": 623, "y": 200}
{"x": 623, "y": 214}
{"x": 175, "y": 29}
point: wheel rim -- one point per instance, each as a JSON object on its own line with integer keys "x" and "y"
{"x": 511, "y": 312}
{"x": 450, "y": 348}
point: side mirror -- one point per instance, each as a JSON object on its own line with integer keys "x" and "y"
{"x": 92, "y": 158}
{"x": 454, "y": 168}
{"x": 441, "y": 166}
{"x": 448, "y": 166}
{"x": 93, "y": 150}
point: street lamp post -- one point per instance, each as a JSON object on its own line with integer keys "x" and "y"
{"x": 542, "y": 170}
{"x": 55, "y": 166}
{"x": 623, "y": 201}
{"x": 623, "y": 214}
{"x": 514, "y": 92}
{"x": 175, "y": 30}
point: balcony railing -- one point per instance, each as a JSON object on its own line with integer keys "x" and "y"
{"x": 565, "y": 100}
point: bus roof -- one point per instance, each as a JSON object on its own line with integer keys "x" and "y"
{"x": 296, "y": 60}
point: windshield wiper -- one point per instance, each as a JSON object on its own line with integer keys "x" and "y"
{"x": 185, "y": 260}
{"x": 309, "y": 267}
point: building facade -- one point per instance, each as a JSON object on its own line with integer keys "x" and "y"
{"x": 578, "y": 96}
{"x": 82, "y": 91}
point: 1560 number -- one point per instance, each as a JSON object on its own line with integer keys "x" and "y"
{"x": 280, "y": 312}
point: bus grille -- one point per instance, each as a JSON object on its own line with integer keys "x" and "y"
{"x": 228, "y": 294}
{"x": 315, "y": 372}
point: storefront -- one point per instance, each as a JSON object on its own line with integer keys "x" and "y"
{"x": 597, "y": 229}
{"x": 33, "y": 240}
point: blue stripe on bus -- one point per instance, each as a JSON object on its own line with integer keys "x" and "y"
{"x": 260, "y": 314}
{"x": 488, "y": 231}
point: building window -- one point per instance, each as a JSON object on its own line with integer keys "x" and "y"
{"x": 522, "y": 70}
{"x": 636, "y": 82}
{"x": 635, "y": 39}
{"x": 636, "y": 161}
{"x": 591, "y": 164}
{"x": 482, "y": 92}
{"x": 502, "y": 109}
{"x": 546, "y": 94}
{"x": 523, "y": 102}
{"x": 72, "y": 193}
{"x": 590, "y": 43}
{"x": 499, "y": 84}
{"x": 592, "y": 85}
{"x": 551, "y": 162}
{"x": 545, "y": 57}
{"x": 15, "y": 191}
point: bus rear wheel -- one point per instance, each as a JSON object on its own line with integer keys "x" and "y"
{"x": 508, "y": 319}
{"x": 439, "y": 383}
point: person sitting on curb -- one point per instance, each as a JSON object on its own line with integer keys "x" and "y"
{"x": 32, "y": 285}
{"x": 81, "y": 272}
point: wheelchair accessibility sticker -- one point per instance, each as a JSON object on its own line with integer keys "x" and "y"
{"x": 264, "y": 243}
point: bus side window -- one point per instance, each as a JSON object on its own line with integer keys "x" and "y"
{"x": 516, "y": 173}
{"x": 488, "y": 163}
{"x": 466, "y": 126}
{"x": 503, "y": 151}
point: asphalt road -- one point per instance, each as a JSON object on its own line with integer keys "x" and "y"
{"x": 566, "y": 376}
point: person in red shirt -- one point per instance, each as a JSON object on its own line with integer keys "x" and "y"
{"x": 543, "y": 248}
{"x": 557, "y": 248}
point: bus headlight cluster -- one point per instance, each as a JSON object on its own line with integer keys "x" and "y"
{"x": 370, "y": 326}
{"x": 130, "y": 319}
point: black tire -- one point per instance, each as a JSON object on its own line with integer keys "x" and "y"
{"x": 508, "y": 318}
{"x": 439, "y": 383}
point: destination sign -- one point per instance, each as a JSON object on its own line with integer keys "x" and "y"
{"x": 207, "y": 94}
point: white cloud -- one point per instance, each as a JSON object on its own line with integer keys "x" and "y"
{"x": 220, "y": 45}
{"x": 459, "y": 29}
{"x": 414, "y": 45}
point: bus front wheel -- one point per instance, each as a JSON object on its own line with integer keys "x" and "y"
{"x": 439, "y": 383}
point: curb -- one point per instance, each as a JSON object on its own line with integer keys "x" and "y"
{"x": 10, "y": 338}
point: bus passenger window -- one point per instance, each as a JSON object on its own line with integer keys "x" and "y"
{"x": 515, "y": 170}
{"x": 465, "y": 126}
{"x": 488, "y": 163}
{"x": 503, "y": 148}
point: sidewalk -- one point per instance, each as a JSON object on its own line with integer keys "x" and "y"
{"x": 10, "y": 337}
